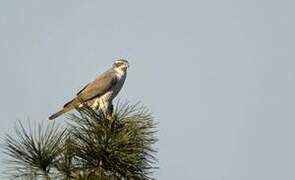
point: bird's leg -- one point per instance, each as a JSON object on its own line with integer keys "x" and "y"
{"x": 103, "y": 106}
{"x": 109, "y": 113}
{"x": 111, "y": 109}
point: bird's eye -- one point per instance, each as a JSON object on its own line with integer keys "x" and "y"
{"x": 119, "y": 64}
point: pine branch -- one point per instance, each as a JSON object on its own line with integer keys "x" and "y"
{"x": 92, "y": 147}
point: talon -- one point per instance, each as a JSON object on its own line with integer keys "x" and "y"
{"x": 110, "y": 119}
{"x": 109, "y": 116}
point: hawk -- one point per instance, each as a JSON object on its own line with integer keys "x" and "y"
{"x": 99, "y": 93}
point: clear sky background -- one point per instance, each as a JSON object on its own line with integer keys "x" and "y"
{"x": 218, "y": 75}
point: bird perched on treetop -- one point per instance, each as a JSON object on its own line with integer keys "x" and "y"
{"x": 100, "y": 92}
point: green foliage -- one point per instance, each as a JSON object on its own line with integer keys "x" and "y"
{"x": 91, "y": 147}
{"x": 33, "y": 152}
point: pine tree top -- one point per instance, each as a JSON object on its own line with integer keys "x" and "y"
{"x": 91, "y": 146}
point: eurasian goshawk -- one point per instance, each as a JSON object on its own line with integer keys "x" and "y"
{"x": 100, "y": 92}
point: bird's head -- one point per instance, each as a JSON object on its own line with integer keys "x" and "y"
{"x": 121, "y": 64}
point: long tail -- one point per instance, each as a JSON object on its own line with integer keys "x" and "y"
{"x": 67, "y": 107}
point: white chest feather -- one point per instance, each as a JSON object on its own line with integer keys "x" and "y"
{"x": 120, "y": 73}
{"x": 106, "y": 99}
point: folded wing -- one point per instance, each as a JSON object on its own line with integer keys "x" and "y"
{"x": 98, "y": 87}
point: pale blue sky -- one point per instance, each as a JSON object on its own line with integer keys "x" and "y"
{"x": 218, "y": 75}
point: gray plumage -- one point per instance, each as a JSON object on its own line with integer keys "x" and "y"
{"x": 100, "y": 92}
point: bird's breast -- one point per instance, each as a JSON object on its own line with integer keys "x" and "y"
{"x": 119, "y": 85}
{"x": 113, "y": 92}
